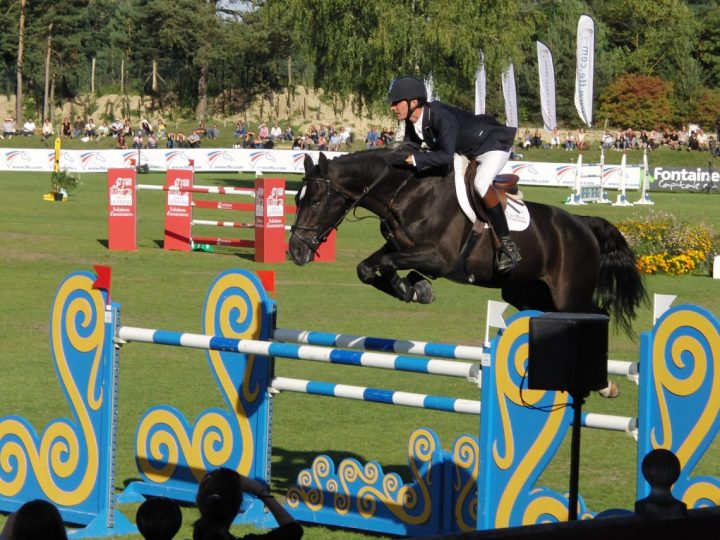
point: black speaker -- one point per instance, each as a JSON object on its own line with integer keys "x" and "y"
{"x": 568, "y": 351}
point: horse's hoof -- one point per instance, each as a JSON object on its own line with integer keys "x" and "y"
{"x": 610, "y": 391}
{"x": 423, "y": 292}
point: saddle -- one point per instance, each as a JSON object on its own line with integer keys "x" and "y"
{"x": 504, "y": 185}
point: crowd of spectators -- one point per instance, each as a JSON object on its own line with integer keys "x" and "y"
{"x": 686, "y": 138}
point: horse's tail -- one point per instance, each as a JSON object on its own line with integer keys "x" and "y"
{"x": 620, "y": 289}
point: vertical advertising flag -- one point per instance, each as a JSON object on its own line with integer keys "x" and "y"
{"x": 547, "y": 86}
{"x": 508, "y": 87}
{"x": 480, "y": 91}
{"x": 585, "y": 68}
{"x": 430, "y": 88}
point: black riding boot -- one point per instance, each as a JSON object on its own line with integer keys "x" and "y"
{"x": 508, "y": 254}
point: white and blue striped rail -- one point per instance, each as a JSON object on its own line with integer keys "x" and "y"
{"x": 347, "y": 341}
{"x": 376, "y": 395}
{"x": 302, "y": 352}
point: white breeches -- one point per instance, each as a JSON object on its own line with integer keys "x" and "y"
{"x": 489, "y": 166}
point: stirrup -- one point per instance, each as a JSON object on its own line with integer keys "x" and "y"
{"x": 508, "y": 255}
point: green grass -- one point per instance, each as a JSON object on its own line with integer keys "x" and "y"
{"x": 42, "y": 242}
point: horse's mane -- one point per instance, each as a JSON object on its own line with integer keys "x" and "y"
{"x": 362, "y": 163}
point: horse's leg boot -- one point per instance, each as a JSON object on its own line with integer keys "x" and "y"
{"x": 508, "y": 254}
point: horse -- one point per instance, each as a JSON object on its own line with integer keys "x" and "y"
{"x": 570, "y": 263}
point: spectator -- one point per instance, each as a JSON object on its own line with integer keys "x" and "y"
{"x": 170, "y": 141}
{"x": 213, "y": 132}
{"x": 162, "y": 129}
{"x": 372, "y": 138}
{"x": 693, "y": 141}
{"x": 527, "y": 139}
{"x": 702, "y": 139}
{"x": 90, "y": 128}
{"x": 9, "y": 128}
{"x": 607, "y": 140}
{"x": 620, "y": 142}
{"x": 121, "y": 144}
{"x": 152, "y": 141}
{"x": 127, "y": 128}
{"x": 322, "y": 143}
{"x": 631, "y": 140}
{"x": 47, "y": 129}
{"x": 288, "y": 133}
{"x": 116, "y": 127}
{"x": 219, "y": 498}
{"x": 194, "y": 140}
{"x": 674, "y": 140}
{"x": 276, "y": 132}
{"x": 200, "y": 131}
{"x": 554, "y": 138}
{"x": 298, "y": 143}
{"x": 263, "y": 132}
{"x": 312, "y": 134}
{"x": 145, "y": 126}
{"x": 581, "y": 140}
{"x": 35, "y": 520}
{"x": 138, "y": 141}
{"x": 570, "y": 141}
{"x": 346, "y": 136}
{"x": 28, "y": 128}
{"x": 249, "y": 140}
{"x": 181, "y": 141}
{"x": 536, "y": 139}
{"x": 78, "y": 127}
{"x": 240, "y": 130}
{"x": 158, "y": 518}
{"x": 683, "y": 137}
{"x": 66, "y": 128}
{"x": 103, "y": 129}
{"x": 334, "y": 142}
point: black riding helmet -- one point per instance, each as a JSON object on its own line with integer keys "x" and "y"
{"x": 407, "y": 88}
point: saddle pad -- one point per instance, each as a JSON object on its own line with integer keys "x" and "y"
{"x": 516, "y": 212}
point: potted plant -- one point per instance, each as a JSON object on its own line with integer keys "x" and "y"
{"x": 61, "y": 183}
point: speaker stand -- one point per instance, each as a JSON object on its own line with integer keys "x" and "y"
{"x": 575, "y": 456}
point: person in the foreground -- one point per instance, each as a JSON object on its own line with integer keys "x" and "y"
{"x": 219, "y": 497}
{"x": 445, "y": 131}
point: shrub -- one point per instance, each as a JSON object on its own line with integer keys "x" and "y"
{"x": 665, "y": 245}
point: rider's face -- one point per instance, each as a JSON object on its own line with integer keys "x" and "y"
{"x": 400, "y": 109}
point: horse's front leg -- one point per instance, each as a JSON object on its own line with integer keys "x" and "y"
{"x": 380, "y": 271}
{"x": 386, "y": 278}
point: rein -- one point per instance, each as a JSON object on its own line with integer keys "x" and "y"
{"x": 351, "y": 204}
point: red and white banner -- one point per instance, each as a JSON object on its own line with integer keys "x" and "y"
{"x": 122, "y": 210}
{"x": 510, "y": 95}
{"x": 585, "y": 68}
{"x": 546, "y": 72}
{"x": 480, "y": 86}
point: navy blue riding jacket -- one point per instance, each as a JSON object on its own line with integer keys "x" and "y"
{"x": 448, "y": 130}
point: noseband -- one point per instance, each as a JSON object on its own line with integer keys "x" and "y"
{"x": 319, "y": 234}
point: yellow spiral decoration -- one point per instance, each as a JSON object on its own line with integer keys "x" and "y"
{"x": 466, "y": 454}
{"x": 58, "y": 453}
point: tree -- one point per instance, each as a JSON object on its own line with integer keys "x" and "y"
{"x": 638, "y": 101}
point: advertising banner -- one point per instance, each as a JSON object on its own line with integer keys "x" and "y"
{"x": 584, "y": 72}
{"x": 178, "y": 209}
{"x": 685, "y": 180}
{"x": 546, "y": 72}
{"x": 122, "y": 210}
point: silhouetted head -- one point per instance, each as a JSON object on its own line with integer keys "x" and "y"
{"x": 38, "y": 519}
{"x": 159, "y": 518}
{"x": 219, "y": 495}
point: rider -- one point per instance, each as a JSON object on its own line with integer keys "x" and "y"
{"x": 445, "y": 131}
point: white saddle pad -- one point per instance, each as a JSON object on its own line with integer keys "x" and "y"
{"x": 516, "y": 212}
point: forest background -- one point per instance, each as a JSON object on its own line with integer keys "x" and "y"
{"x": 656, "y": 64}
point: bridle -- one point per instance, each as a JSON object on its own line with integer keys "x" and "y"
{"x": 320, "y": 234}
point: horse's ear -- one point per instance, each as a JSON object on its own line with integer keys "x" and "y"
{"x": 323, "y": 163}
{"x": 309, "y": 165}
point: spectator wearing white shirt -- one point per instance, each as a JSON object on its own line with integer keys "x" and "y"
{"x": 28, "y": 128}
{"x": 276, "y": 132}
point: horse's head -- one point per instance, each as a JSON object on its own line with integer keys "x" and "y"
{"x": 330, "y": 190}
{"x": 320, "y": 208}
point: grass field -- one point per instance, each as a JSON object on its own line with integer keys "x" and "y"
{"x": 41, "y": 242}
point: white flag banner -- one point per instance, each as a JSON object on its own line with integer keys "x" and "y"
{"x": 508, "y": 86}
{"x": 547, "y": 86}
{"x": 480, "y": 91}
{"x": 585, "y": 68}
{"x": 430, "y": 88}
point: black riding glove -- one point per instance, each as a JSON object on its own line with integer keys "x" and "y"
{"x": 396, "y": 159}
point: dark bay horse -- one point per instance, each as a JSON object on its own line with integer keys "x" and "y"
{"x": 573, "y": 264}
